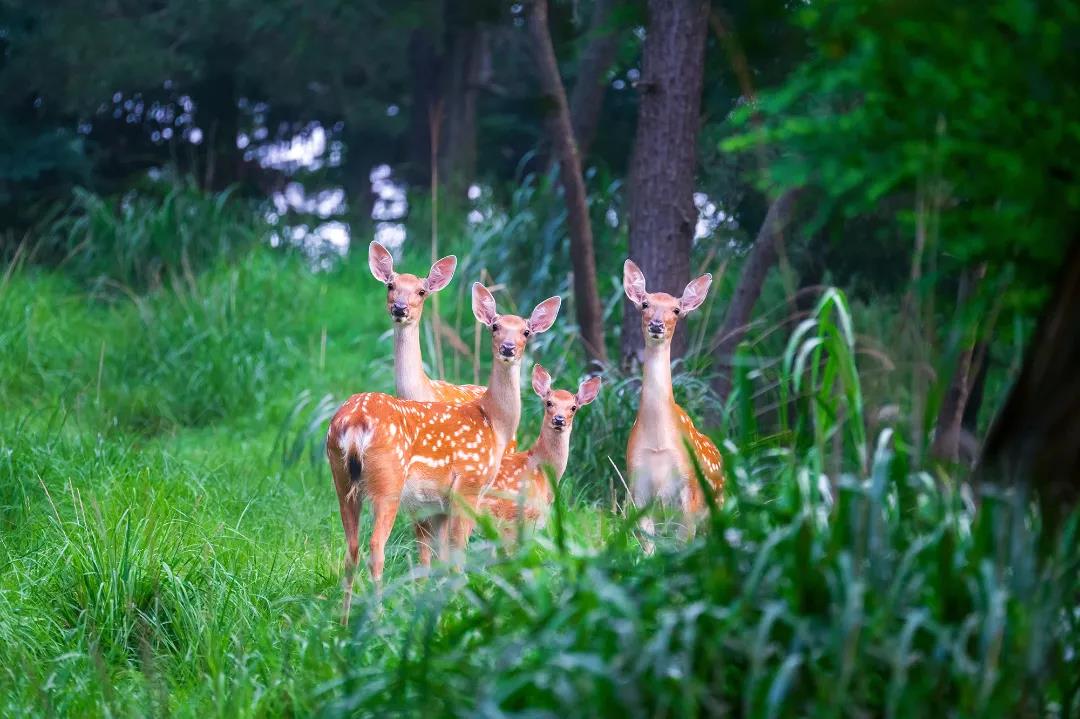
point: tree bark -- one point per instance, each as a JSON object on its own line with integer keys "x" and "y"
{"x": 981, "y": 359}
{"x": 763, "y": 256}
{"x": 1036, "y": 436}
{"x": 582, "y": 256}
{"x": 447, "y": 71}
{"x": 587, "y": 98}
{"x": 219, "y": 115}
{"x": 466, "y": 67}
{"x": 946, "y": 445}
{"x": 662, "y": 215}
{"x": 424, "y": 73}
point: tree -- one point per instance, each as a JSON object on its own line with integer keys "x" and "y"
{"x": 1036, "y": 436}
{"x": 127, "y": 72}
{"x": 762, "y": 257}
{"x": 901, "y": 101}
{"x": 586, "y": 295}
{"x": 946, "y": 445}
{"x": 909, "y": 111}
{"x": 587, "y": 98}
{"x": 662, "y": 215}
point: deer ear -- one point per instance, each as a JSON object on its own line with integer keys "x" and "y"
{"x": 381, "y": 262}
{"x": 541, "y": 381}
{"x": 440, "y": 274}
{"x": 588, "y": 390}
{"x": 543, "y": 316}
{"x": 695, "y": 293}
{"x": 633, "y": 282}
{"x": 483, "y": 305}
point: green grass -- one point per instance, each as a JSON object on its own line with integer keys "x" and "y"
{"x": 158, "y": 556}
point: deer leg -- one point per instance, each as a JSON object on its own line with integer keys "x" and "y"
{"x": 385, "y": 511}
{"x": 648, "y": 531}
{"x": 688, "y": 529}
{"x": 429, "y": 531}
{"x": 459, "y": 530}
{"x": 350, "y": 522}
{"x": 644, "y": 495}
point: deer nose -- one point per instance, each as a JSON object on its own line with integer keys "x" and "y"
{"x": 558, "y": 420}
{"x": 506, "y": 349}
{"x": 398, "y": 309}
{"x": 656, "y": 327}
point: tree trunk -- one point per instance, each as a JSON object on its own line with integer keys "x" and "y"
{"x": 662, "y": 215}
{"x": 466, "y": 68}
{"x": 981, "y": 359}
{"x": 946, "y": 445}
{"x": 586, "y": 296}
{"x": 587, "y": 98}
{"x": 219, "y": 115}
{"x": 1036, "y": 436}
{"x": 424, "y": 72}
{"x": 447, "y": 71}
{"x": 763, "y": 255}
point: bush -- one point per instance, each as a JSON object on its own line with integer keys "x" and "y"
{"x": 140, "y": 240}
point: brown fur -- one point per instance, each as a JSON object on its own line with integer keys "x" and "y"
{"x": 660, "y": 468}
{"x": 430, "y": 453}
{"x": 521, "y": 490}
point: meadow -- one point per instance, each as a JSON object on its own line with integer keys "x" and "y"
{"x": 170, "y": 545}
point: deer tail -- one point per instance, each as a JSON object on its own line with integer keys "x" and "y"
{"x": 354, "y": 444}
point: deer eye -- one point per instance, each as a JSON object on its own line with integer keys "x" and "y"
{"x": 574, "y": 408}
{"x": 495, "y": 328}
{"x": 527, "y": 333}
{"x": 676, "y": 310}
{"x": 389, "y": 285}
{"x": 644, "y": 305}
{"x": 421, "y": 292}
{"x": 550, "y": 403}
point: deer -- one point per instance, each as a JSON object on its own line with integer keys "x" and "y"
{"x": 660, "y": 467}
{"x": 389, "y": 450}
{"x": 405, "y": 297}
{"x": 521, "y": 490}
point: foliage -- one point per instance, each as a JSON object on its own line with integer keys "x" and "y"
{"x": 916, "y": 111}
{"x": 141, "y": 240}
{"x": 39, "y": 159}
{"x": 156, "y": 557}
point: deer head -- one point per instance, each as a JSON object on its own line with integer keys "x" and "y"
{"x": 509, "y": 333}
{"x": 561, "y": 406}
{"x": 405, "y": 294}
{"x": 660, "y": 312}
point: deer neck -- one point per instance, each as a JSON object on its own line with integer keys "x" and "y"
{"x": 552, "y": 449}
{"x": 501, "y": 403}
{"x": 410, "y": 380}
{"x": 657, "y": 399}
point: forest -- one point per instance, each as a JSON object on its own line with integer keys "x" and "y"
{"x": 885, "y": 194}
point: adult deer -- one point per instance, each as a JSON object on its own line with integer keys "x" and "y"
{"x": 659, "y": 465}
{"x": 405, "y": 297}
{"x": 521, "y": 490}
{"x": 426, "y": 454}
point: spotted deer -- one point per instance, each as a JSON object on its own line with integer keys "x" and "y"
{"x": 405, "y": 297}
{"x": 659, "y": 465}
{"x": 391, "y": 451}
{"x": 521, "y": 490}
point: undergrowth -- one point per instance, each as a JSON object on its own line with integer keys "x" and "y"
{"x": 158, "y": 556}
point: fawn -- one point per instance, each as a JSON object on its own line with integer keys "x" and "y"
{"x": 391, "y": 450}
{"x": 521, "y": 490}
{"x": 656, "y": 457}
{"x": 405, "y": 296}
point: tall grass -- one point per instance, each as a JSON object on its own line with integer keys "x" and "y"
{"x": 140, "y": 239}
{"x": 158, "y": 557}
